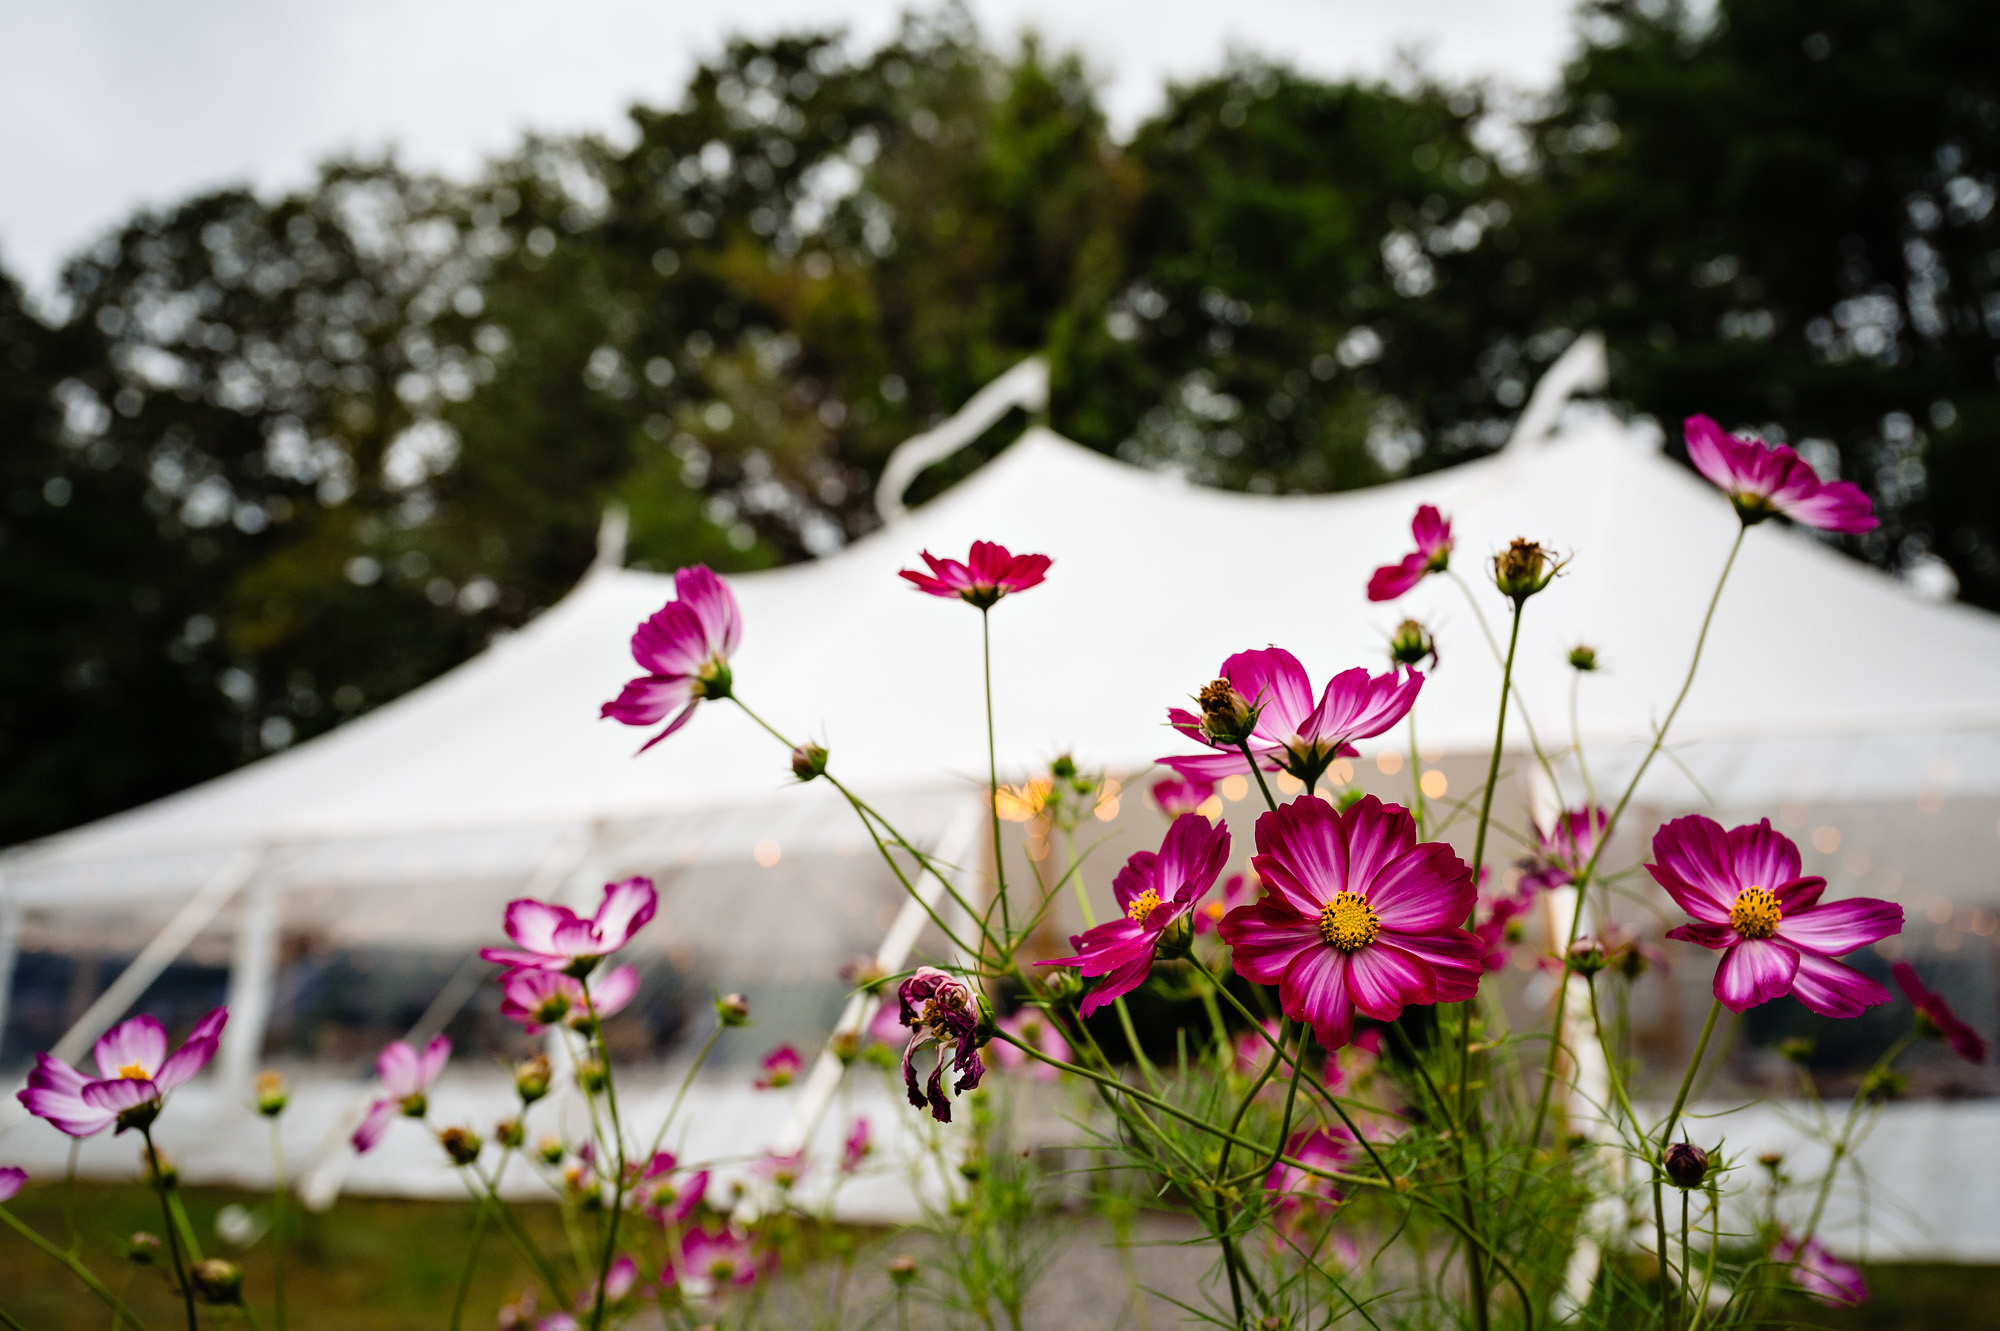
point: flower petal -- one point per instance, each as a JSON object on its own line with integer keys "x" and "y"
{"x": 431, "y": 1062}
{"x": 138, "y": 1043}
{"x": 396, "y": 1066}
{"x": 1834, "y": 990}
{"x": 1315, "y": 991}
{"x": 1382, "y": 980}
{"x": 627, "y": 908}
{"x": 1425, "y": 889}
{"x": 1272, "y": 678}
{"x": 532, "y": 924}
{"x": 1841, "y": 926}
{"x": 1302, "y": 853}
{"x": 611, "y": 991}
{"x": 1762, "y": 857}
{"x": 1191, "y": 857}
{"x": 380, "y": 1114}
{"x": 116, "y": 1095}
{"x": 187, "y": 1060}
{"x": 1755, "y": 971}
{"x": 1455, "y": 957}
{"x": 1266, "y": 939}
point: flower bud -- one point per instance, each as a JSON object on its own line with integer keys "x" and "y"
{"x": 1062, "y": 983}
{"x": 531, "y": 1078}
{"x": 1880, "y": 1084}
{"x": 1796, "y": 1049}
{"x": 271, "y": 1094}
{"x": 809, "y": 761}
{"x": 1227, "y": 717}
{"x": 461, "y": 1144}
{"x": 550, "y": 1149}
{"x": 732, "y": 1009}
{"x": 509, "y": 1133}
{"x": 1523, "y": 569}
{"x": 1587, "y": 957}
{"x": 1411, "y": 644}
{"x": 903, "y": 1270}
{"x": 972, "y": 1169}
{"x": 592, "y": 1076}
{"x": 416, "y": 1106}
{"x": 846, "y": 1046}
{"x": 217, "y": 1282}
{"x": 142, "y": 1249}
{"x": 1771, "y": 1160}
{"x": 1686, "y": 1165}
{"x": 1063, "y": 768}
{"x": 1583, "y": 658}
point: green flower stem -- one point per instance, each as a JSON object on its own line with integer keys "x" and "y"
{"x": 1842, "y": 1143}
{"x": 1222, "y": 1221}
{"x": 1611, "y": 824}
{"x": 618, "y": 1142}
{"x": 75, "y": 1267}
{"x": 1576, "y": 741}
{"x": 173, "y": 1230}
{"x": 701, "y": 1057}
{"x": 1666, "y": 1139}
{"x": 277, "y": 1223}
{"x": 993, "y": 774}
{"x": 1416, "y": 781}
{"x": 517, "y": 1236}
{"x": 1257, "y": 772}
{"x": 471, "y": 1260}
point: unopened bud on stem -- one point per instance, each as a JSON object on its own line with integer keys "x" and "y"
{"x": 217, "y": 1282}
{"x": 271, "y": 1094}
{"x": 809, "y": 761}
{"x": 1523, "y": 569}
{"x": 1227, "y": 717}
{"x": 1686, "y": 1165}
{"x": 732, "y": 1009}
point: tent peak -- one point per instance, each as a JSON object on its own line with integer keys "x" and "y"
{"x": 1583, "y": 368}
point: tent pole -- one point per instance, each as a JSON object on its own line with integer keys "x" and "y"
{"x": 253, "y": 973}
{"x": 10, "y": 947}
{"x": 155, "y": 957}
{"x": 817, "y": 1093}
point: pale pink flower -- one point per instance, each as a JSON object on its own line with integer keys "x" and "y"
{"x": 1031, "y": 1026}
{"x": 858, "y": 1147}
{"x": 135, "y": 1072}
{"x": 538, "y": 999}
{"x": 12, "y": 1180}
{"x": 1761, "y": 479}
{"x": 781, "y": 1068}
{"x": 1824, "y": 1277}
{"x": 685, "y": 649}
{"x": 407, "y": 1077}
{"x": 556, "y": 938}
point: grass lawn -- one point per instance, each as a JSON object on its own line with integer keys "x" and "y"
{"x": 380, "y": 1265}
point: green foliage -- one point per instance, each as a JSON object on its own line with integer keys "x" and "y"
{"x": 313, "y": 450}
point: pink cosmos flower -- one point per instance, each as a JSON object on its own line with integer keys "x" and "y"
{"x": 538, "y": 999}
{"x": 1295, "y": 1192}
{"x": 989, "y": 573}
{"x": 12, "y": 1180}
{"x": 719, "y": 1259}
{"x": 858, "y": 1148}
{"x": 1237, "y": 890}
{"x": 1937, "y": 1014}
{"x": 1031, "y": 1026}
{"x": 1358, "y": 917}
{"x": 407, "y": 1076}
{"x": 1819, "y": 1273}
{"x": 135, "y": 1073}
{"x": 1433, "y": 555}
{"x": 1565, "y": 848}
{"x": 1154, "y": 889}
{"x": 944, "y": 1012}
{"x": 619, "y": 1282}
{"x": 666, "y": 1194}
{"x": 1761, "y": 479}
{"x": 1748, "y": 900}
{"x": 684, "y": 648}
{"x": 1496, "y": 929}
{"x": 555, "y": 938}
{"x": 781, "y": 1068}
{"x": 783, "y": 1170}
{"x": 1290, "y": 733}
{"x": 1178, "y": 795}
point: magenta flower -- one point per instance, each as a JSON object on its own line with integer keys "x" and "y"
{"x": 666, "y": 1194}
{"x": 1819, "y": 1273}
{"x": 1031, "y": 1026}
{"x": 781, "y": 1068}
{"x": 539, "y": 999}
{"x": 1296, "y": 1191}
{"x": 135, "y": 1073}
{"x": 719, "y": 1259}
{"x": 1237, "y": 890}
{"x": 1177, "y": 795}
{"x": 1289, "y": 733}
{"x": 1358, "y": 916}
{"x": 1761, "y": 479}
{"x": 1565, "y": 848}
{"x": 989, "y": 573}
{"x": 944, "y": 1012}
{"x": 858, "y": 1148}
{"x": 684, "y": 648}
{"x": 1433, "y": 555}
{"x": 1496, "y": 927}
{"x": 1154, "y": 889}
{"x": 555, "y": 938}
{"x": 12, "y": 1180}
{"x": 1748, "y": 900}
{"x": 1935, "y": 1016}
{"x": 783, "y": 1170}
{"x": 407, "y": 1076}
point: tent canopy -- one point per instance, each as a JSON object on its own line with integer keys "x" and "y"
{"x": 1822, "y": 677}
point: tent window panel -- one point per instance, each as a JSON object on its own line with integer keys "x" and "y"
{"x": 53, "y": 988}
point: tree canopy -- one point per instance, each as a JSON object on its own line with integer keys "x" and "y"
{"x": 285, "y": 458}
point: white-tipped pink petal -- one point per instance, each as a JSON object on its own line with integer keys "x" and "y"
{"x": 396, "y": 1066}
{"x": 138, "y": 1043}
{"x": 431, "y": 1062}
{"x": 1755, "y": 971}
{"x": 628, "y": 907}
{"x": 376, "y": 1122}
{"x": 533, "y": 924}
{"x": 611, "y": 991}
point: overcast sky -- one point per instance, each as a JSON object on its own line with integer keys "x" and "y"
{"x": 109, "y": 104}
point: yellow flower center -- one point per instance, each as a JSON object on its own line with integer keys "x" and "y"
{"x": 1142, "y": 906}
{"x": 1348, "y": 922}
{"x": 134, "y": 1072}
{"x": 1756, "y": 912}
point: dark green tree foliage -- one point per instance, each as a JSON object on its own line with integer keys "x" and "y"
{"x": 288, "y": 458}
{"x": 1786, "y": 220}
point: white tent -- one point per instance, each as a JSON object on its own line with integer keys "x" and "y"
{"x": 1824, "y": 681}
